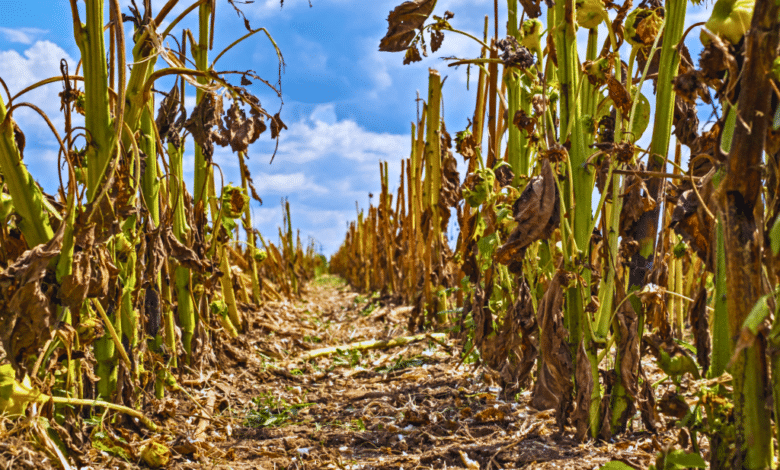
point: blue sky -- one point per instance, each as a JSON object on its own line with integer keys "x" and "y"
{"x": 347, "y": 105}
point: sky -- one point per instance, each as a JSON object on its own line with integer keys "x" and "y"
{"x": 347, "y": 105}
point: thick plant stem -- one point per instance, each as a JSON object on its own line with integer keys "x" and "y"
{"x": 741, "y": 208}
{"x": 512, "y": 80}
{"x": 27, "y": 197}
{"x": 647, "y": 226}
{"x": 250, "y": 234}
{"x": 579, "y": 190}
{"x": 185, "y": 309}
{"x": 201, "y": 54}
{"x": 97, "y": 121}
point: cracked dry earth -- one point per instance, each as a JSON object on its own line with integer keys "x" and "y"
{"x": 416, "y": 406}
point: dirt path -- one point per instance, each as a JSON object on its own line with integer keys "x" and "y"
{"x": 414, "y": 406}
{"x": 406, "y": 407}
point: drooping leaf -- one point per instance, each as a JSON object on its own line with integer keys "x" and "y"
{"x": 403, "y": 23}
{"x": 537, "y": 212}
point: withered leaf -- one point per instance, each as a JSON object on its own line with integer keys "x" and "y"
{"x": 636, "y": 201}
{"x": 184, "y": 255}
{"x": 437, "y": 38}
{"x": 584, "y": 380}
{"x": 27, "y": 311}
{"x": 619, "y": 95}
{"x": 205, "y": 121}
{"x": 277, "y": 125}
{"x": 168, "y": 124}
{"x": 513, "y": 349}
{"x": 693, "y": 223}
{"x": 524, "y": 122}
{"x": 699, "y": 319}
{"x": 504, "y": 175}
{"x": 554, "y": 386}
{"x": 537, "y": 212}
{"x": 532, "y": 8}
{"x": 412, "y": 55}
{"x": 152, "y": 310}
{"x": 403, "y": 22}
{"x": 239, "y": 131}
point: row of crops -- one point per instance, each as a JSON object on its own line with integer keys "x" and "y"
{"x": 583, "y": 256}
{"x": 125, "y": 278}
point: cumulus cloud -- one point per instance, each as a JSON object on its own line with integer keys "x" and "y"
{"x": 286, "y": 183}
{"x": 40, "y": 61}
{"x": 22, "y": 35}
{"x": 315, "y": 139}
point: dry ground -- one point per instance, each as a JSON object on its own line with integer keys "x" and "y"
{"x": 415, "y": 406}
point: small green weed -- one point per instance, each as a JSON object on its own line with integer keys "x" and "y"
{"x": 272, "y": 411}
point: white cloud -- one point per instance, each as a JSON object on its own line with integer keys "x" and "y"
{"x": 314, "y": 139}
{"x": 22, "y": 35}
{"x": 285, "y": 184}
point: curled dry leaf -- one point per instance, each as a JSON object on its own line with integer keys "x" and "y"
{"x": 205, "y": 122}
{"x": 553, "y": 386}
{"x": 636, "y": 201}
{"x": 699, "y": 319}
{"x": 277, "y": 125}
{"x": 27, "y": 310}
{"x": 403, "y": 23}
{"x": 628, "y": 347}
{"x": 513, "y": 349}
{"x": 239, "y": 131}
{"x": 524, "y": 122}
{"x": 537, "y": 212}
{"x": 183, "y": 254}
{"x": 619, "y": 95}
{"x": 584, "y": 381}
{"x": 504, "y": 175}
{"x": 691, "y": 221}
{"x": 171, "y": 117}
{"x": 532, "y": 8}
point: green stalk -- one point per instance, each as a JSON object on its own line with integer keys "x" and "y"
{"x": 26, "y": 195}
{"x": 185, "y": 308}
{"x": 514, "y": 97}
{"x": 742, "y": 208}
{"x": 250, "y": 234}
{"x": 579, "y": 189}
{"x": 201, "y": 55}
{"x": 433, "y": 150}
{"x": 97, "y": 121}
{"x": 647, "y": 226}
{"x": 227, "y": 290}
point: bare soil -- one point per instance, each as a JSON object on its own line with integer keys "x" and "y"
{"x": 413, "y": 407}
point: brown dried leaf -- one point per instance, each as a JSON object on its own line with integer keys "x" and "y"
{"x": 619, "y": 95}
{"x": 277, "y": 125}
{"x": 239, "y": 131}
{"x": 636, "y": 201}
{"x": 695, "y": 226}
{"x": 584, "y": 380}
{"x": 168, "y": 124}
{"x": 403, "y": 22}
{"x": 205, "y": 122}
{"x": 554, "y": 385}
{"x": 184, "y": 255}
{"x": 532, "y": 8}
{"x": 699, "y": 319}
{"x": 537, "y": 212}
{"x": 504, "y": 175}
{"x": 27, "y": 311}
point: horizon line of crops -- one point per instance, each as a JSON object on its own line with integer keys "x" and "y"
{"x": 679, "y": 265}
{"x": 125, "y": 273}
